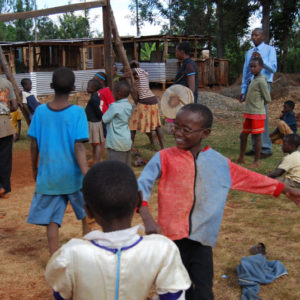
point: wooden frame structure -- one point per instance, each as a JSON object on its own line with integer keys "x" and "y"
{"x": 109, "y": 29}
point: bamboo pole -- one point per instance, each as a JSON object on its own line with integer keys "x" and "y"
{"x": 107, "y": 30}
{"x": 11, "y": 78}
{"x": 51, "y": 11}
{"x": 122, "y": 53}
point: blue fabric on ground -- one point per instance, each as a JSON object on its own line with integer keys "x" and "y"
{"x": 255, "y": 269}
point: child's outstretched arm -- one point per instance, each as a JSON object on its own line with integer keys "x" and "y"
{"x": 245, "y": 180}
{"x": 146, "y": 182}
{"x": 81, "y": 157}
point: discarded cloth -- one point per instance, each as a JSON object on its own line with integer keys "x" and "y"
{"x": 255, "y": 269}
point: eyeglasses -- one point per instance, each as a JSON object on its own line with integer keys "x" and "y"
{"x": 184, "y": 130}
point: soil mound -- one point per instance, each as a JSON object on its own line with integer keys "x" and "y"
{"x": 217, "y": 102}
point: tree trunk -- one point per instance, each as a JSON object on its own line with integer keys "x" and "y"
{"x": 137, "y": 19}
{"x": 266, "y": 19}
{"x": 220, "y": 37}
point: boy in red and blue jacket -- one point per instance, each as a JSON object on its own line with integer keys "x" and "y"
{"x": 192, "y": 191}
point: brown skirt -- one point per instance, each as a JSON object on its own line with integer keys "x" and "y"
{"x": 96, "y": 133}
{"x": 145, "y": 118}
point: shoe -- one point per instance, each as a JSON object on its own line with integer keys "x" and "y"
{"x": 249, "y": 153}
{"x": 4, "y": 196}
{"x": 259, "y": 248}
{"x": 2, "y": 191}
{"x": 265, "y": 155}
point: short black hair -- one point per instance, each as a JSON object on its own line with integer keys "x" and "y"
{"x": 133, "y": 64}
{"x": 202, "y": 110}
{"x": 110, "y": 190}
{"x": 258, "y": 60}
{"x": 95, "y": 84}
{"x": 185, "y": 47}
{"x": 292, "y": 139}
{"x": 25, "y": 81}
{"x": 102, "y": 76}
{"x": 290, "y": 104}
{"x": 123, "y": 87}
{"x": 63, "y": 80}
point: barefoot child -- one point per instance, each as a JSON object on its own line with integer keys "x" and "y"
{"x": 94, "y": 117}
{"x": 145, "y": 116}
{"x": 58, "y": 130}
{"x": 118, "y": 140}
{"x": 257, "y": 97}
{"x": 193, "y": 186}
{"x": 290, "y": 163}
{"x": 117, "y": 263}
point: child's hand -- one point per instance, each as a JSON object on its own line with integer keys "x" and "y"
{"x": 242, "y": 98}
{"x": 292, "y": 194}
{"x": 256, "y": 54}
{"x": 150, "y": 225}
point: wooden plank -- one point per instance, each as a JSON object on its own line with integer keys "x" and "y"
{"x": 30, "y": 58}
{"x": 107, "y": 31}
{"x": 165, "y": 54}
{"x": 122, "y": 54}
{"x": 52, "y": 10}
{"x": 11, "y": 78}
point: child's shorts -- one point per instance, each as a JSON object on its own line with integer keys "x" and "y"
{"x": 47, "y": 209}
{"x": 253, "y": 126}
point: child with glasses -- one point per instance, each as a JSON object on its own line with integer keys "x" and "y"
{"x": 194, "y": 182}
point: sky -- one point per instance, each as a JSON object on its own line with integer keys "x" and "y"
{"x": 121, "y": 13}
{"x": 122, "y": 16}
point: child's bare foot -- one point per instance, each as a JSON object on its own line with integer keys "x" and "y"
{"x": 254, "y": 165}
{"x": 240, "y": 161}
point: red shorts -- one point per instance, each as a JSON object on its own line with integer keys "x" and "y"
{"x": 253, "y": 126}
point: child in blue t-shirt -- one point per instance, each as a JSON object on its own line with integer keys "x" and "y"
{"x": 58, "y": 130}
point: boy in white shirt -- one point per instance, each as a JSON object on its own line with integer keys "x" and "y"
{"x": 290, "y": 163}
{"x": 117, "y": 263}
{"x": 29, "y": 99}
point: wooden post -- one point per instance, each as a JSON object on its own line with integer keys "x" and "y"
{"x": 11, "y": 78}
{"x": 83, "y": 56}
{"x": 63, "y": 56}
{"x": 195, "y": 49}
{"x": 12, "y": 60}
{"x": 30, "y": 58}
{"x": 157, "y": 52}
{"x": 135, "y": 50}
{"x": 123, "y": 56}
{"x": 107, "y": 30}
{"x": 165, "y": 54}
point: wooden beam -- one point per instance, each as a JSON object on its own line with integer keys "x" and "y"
{"x": 52, "y": 11}
{"x": 11, "y": 78}
{"x": 107, "y": 31}
{"x": 123, "y": 56}
{"x": 31, "y": 58}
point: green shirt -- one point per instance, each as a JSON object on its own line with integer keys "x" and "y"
{"x": 258, "y": 96}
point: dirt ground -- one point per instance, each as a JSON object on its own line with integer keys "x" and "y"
{"x": 23, "y": 247}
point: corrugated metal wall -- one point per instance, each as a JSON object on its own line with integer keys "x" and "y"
{"x": 41, "y": 80}
{"x": 156, "y": 71}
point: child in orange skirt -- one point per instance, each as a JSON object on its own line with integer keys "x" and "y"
{"x": 145, "y": 117}
{"x": 257, "y": 97}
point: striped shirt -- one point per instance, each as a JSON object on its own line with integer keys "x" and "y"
{"x": 143, "y": 87}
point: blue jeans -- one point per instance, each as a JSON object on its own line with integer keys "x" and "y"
{"x": 266, "y": 143}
